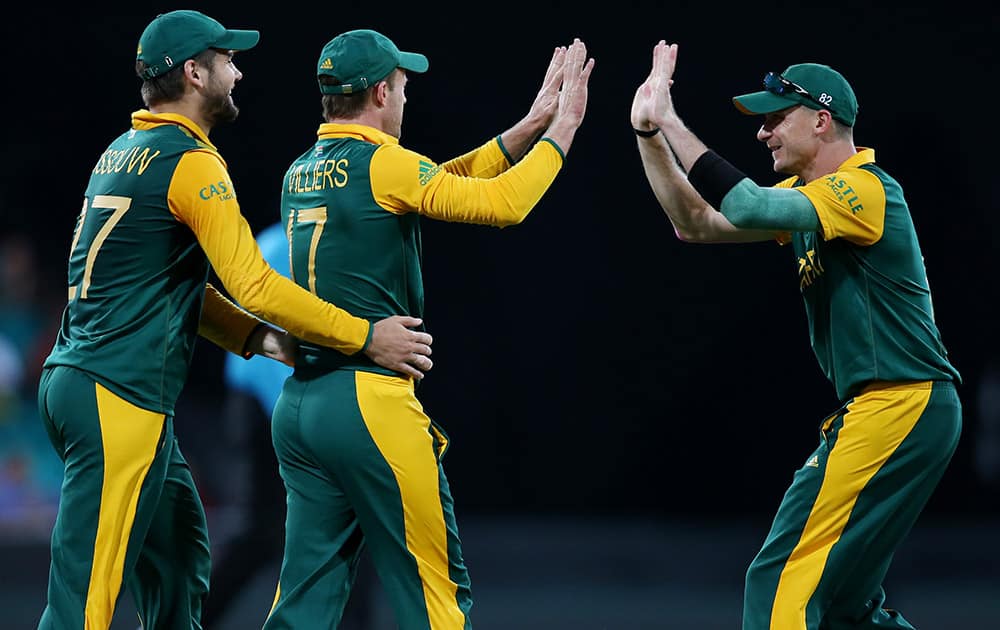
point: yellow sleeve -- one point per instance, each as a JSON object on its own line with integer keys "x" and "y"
{"x": 201, "y": 195}
{"x": 850, "y": 205}
{"x": 485, "y": 161}
{"x": 784, "y": 238}
{"x": 405, "y": 181}
{"x": 225, "y": 324}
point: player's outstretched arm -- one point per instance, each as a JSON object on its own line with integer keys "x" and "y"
{"x": 667, "y": 154}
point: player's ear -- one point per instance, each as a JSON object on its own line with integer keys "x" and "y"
{"x": 194, "y": 72}
{"x": 824, "y": 121}
{"x": 380, "y": 93}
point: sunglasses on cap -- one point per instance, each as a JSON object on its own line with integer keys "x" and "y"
{"x": 777, "y": 84}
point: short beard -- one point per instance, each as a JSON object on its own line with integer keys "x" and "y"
{"x": 220, "y": 109}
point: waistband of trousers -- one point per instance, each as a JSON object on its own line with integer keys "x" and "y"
{"x": 318, "y": 359}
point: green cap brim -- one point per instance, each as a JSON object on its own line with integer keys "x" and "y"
{"x": 237, "y": 39}
{"x": 414, "y": 62}
{"x": 762, "y": 103}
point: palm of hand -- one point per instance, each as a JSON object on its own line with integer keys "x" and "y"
{"x": 654, "y": 94}
{"x": 642, "y": 105}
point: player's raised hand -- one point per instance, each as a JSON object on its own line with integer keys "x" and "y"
{"x": 652, "y": 102}
{"x": 395, "y": 345}
{"x": 546, "y": 103}
{"x": 575, "y": 83}
{"x": 572, "y": 95}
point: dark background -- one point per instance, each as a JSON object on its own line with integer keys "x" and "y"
{"x": 587, "y": 363}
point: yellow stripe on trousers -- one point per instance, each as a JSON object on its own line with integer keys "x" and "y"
{"x": 875, "y": 424}
{"x": 130, "y": 436}
{"x": 401, "y": 431}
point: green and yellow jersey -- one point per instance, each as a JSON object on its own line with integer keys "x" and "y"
{"x": 158, "y": 209}
{"x": 352, "y": 204}
{"x": 864, "y": 283}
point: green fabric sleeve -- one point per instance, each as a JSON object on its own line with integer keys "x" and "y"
{"x": 750, "y": 207}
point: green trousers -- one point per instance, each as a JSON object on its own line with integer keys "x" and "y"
{"x": 848, "y": 509}
{"x": 361, "y": 463}
{"x": 129, "y": 512}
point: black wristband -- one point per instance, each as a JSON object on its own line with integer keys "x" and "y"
{"x": 646, "y": 134}
{"x": 713, "y": 177}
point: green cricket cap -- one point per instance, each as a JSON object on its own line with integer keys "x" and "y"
{"x": 173, "y": 38}
{"x": 811, "y": 84}
{"x": 361, "y": 58}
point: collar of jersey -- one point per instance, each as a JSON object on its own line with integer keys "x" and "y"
{"x": 145, "y": 119}
{"x": 351, "y": 130}
{"x": 863, "y": 156}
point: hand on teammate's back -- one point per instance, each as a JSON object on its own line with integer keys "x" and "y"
{"x": 274, "y": 344}
{"x": 395, "y": 345}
